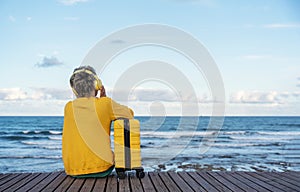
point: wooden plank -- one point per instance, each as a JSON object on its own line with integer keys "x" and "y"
{"x": 9, "y": 177}
{"x": 291, "y": 176}
{"x": 2, "y": 176}
{"x": 42, "y": 184}
{"x": 88, "y": 185}
{"x": 162, "y": 181}
{"x": 135, "y": 184}
{"x": 22, "y": 182}
{"x": 265, "y": 185}
{"x": 241, "y": 176}
{"x": 76, "y": 185}
{"x": 296, "y": 174}
{"x": 191, "y": 182}
{"x": 64, "y": 186}
{"x": 229, "y": 177}
{"x": 55, "y": 183}
{"x": 100, "y": 184}
{"x": 157, "y": 182}
{"x": 124, "y": 185}
{"x": 282, "y": 181}
{"x": 225, "y": 182}
{"x": 267, "y": 180}
{"x": 207, "y": 186}
{"x": 169, "y": 182}
{"x": 284, "y": 176}
{"x": 13, "y": 181}
{"x": 180, "y": 182}
{"x": 33, "y": 182}
{"x": 112, "y": 184}
{"x": 213, "y": 182}
{"x": 147, "y": 183}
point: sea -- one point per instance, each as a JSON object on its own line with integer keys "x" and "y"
{"x": 33, "y": 144}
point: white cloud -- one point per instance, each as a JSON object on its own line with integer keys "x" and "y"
{"x": 50, "y": 101}
{"x": 253, "y": 97}
{"x": 164, "y": 95}
{"x": 260, "y": 97}
{"x": 296, "y": 94}
{"x": 49, "y": 62}
{"x": 28, "y": 18}
{"x": 282, "y": 25}
{"x": 32, "y": 107}
{"x": 72, "y": 2}
{"x": 143, "y": 95}
{"x": 13, "y": 94}
{"x": 51, "y": 93}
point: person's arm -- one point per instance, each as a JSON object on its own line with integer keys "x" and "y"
{"x": 120, "y": 111}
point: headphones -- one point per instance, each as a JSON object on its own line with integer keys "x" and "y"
{"x": 97, "y": 82}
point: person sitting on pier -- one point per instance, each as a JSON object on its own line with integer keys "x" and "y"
{"x": 86, "y": 145}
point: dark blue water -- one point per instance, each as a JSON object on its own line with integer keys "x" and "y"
{"x": 33, "y": 144}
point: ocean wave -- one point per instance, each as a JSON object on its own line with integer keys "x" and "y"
{"x": 242, "y": 144}
{"x": 26, "y": 132}
{"x": 30, "y": 143}
{"x": 41, "y": 142}
{"x": 55, "y": 132}
{"x": 286, "y": 124}
{"x": 51, "y": 147}
{"x": 261, "y": 138}
{"x": 54, "y": 138}
{"x": 31, "y": 157}
{"x": 41, "y": 145}
{"x": 233, "y": 132}
{"x": 29, "y": 132}
{"x": 19, "y": 137}
{"x": 291, "y": 133}
{"x": 177, "y": 134}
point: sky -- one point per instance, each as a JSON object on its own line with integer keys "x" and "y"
{"x": 255, "y": 45}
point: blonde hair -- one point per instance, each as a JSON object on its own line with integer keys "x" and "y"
{"x": 83, "y": 83}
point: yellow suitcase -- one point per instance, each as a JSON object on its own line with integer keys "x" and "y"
{"x": 127, "y": 147}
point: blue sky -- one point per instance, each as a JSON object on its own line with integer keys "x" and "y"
{"x": 254, "y": 43}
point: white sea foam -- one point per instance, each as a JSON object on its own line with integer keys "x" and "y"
{"x": 55, "y": 132}
{"x": 39, "y": 143}
{"x": 31, "y": 157}
{"x": 233, "y": 132}
{"x": 30, "y": 143}
{"x": 260, "y": 138}
{"x": 54, "y": 138}
{"x": 177, "y": 134}
{"x": 292, "y": 133}
{"x": 25, "y": 132}
{"x": 235, "y": 144}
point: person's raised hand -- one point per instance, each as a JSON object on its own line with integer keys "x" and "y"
{"x": 102, "y": 92}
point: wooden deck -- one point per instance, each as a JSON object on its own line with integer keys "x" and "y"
{"x": 155, "y": 181}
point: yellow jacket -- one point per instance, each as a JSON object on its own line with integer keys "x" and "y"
{"x": 86, "y": 134}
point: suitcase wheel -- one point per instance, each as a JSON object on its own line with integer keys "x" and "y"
{"x": 140, "y": 174}
{"x": 121, "y": 173}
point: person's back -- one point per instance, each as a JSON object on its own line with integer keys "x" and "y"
{"x": 86, "y": 134}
